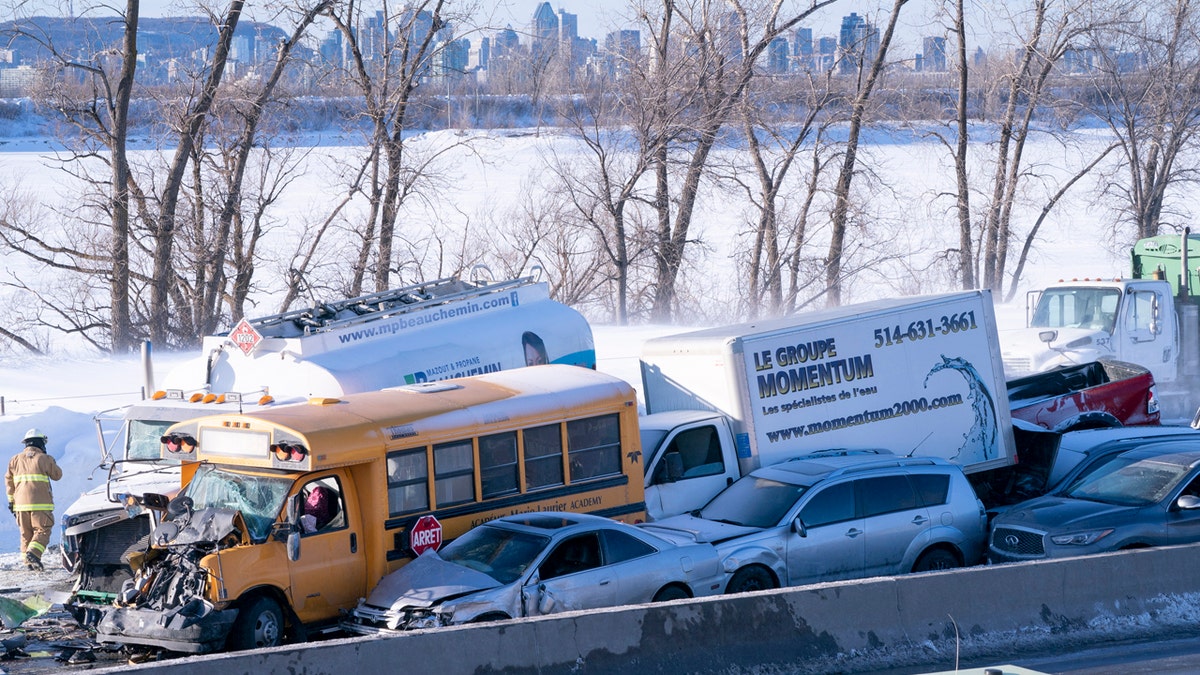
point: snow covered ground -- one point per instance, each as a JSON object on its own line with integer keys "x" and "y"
{"x": 60, "y": 393}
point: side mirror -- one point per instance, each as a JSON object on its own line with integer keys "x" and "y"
{"x": 799, "y": 528}
{"x": 674, "y": 462}
{"x": 293, "y": 521}
{"x": 155, "y": 501}
{"x": 1048, "y": 336}
{"x": 1188, "y": 502}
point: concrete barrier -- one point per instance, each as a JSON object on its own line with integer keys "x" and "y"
{"x": 917, "y": 620}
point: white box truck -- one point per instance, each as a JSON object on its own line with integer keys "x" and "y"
{"x": 431, "y": 331}
{"x": 919, "y": 375}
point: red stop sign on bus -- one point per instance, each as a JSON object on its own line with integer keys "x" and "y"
{"x": 425, "y": 535}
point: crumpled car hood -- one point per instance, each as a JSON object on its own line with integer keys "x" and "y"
{"x": 206, "y": 526}
{"x": 687, "y": 529}
{"x": 425, "y": 582}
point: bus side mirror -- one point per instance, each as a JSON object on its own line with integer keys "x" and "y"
{"x": 155, "y": 501}
{"x": 293, "y": 526}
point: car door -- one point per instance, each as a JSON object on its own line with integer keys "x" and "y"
{"x": 830, "y": 545}
{"x": 896, "y": 519}
{"x": 572, "y": 576}
{"x": 634, "y": 565}
{"x": 702, "y": 462}
{"x": 332, "y": 569}
{"x": 1182, "y": 525}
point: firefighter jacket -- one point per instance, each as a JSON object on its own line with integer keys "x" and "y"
{"x": 27, "y": 482}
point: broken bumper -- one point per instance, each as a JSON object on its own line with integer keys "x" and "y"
{"x": 196, "y": 632}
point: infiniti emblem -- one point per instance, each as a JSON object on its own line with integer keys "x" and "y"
{"x": 1012, "y": 540}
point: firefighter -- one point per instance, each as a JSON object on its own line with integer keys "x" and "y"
{"x": 30, "y": 499}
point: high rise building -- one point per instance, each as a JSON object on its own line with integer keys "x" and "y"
{"x": 858, "y": 43}
{"x": 777, "y": 56}
{"x": 934, "y": 56}
{"x": 543, "y": 31}
{"x": 802, "y": 50}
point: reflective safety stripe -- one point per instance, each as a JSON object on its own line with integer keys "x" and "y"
{"x": 34, "y": 507}
{"x": 34, "y": 545}
{"x": 31, "y": 478}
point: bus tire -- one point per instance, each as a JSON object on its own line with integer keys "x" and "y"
{"x": 259, "y": 624}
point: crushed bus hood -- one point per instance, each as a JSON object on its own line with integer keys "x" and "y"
{"x": 165, "y": 603}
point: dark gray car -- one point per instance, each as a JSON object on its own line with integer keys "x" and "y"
{"x": 1146, "y": 496}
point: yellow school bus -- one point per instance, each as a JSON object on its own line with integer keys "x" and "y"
{"x": 291, "y": 514}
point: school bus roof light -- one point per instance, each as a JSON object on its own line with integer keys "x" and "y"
{"x": 289, "y": 452}
{"x": 209, "y": 397}
{"x": 196, "y": 397}
{"x": 266, "y": 399}
{"x": 179, "y": 443}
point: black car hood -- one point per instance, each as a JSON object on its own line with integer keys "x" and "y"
{"x": 1059, "y": 513}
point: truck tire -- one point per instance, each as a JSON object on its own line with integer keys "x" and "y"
{"x": 752, "y": 578}
{"x": 936, "y": 559}
{"x": 258, "y": 624}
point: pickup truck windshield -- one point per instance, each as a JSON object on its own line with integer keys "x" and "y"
{"x": 753, "y": 502}
{"x": 259, "y": 498}
{"x": 1092, "y": 308}
{"x": 145, "y": 438}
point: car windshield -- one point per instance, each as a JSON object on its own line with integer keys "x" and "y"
{"x": 753, "y": 502}
{"x": 500, "y": 553}
{"x": 1129, "y": 481}
{"x": 258, "y": 498}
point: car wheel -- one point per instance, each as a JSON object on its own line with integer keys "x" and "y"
{"x": 937, "y": 559}
{"x": 259, "y": 624}
{"x": 490, "y": 616}
{"x": 670, "y": 593}
{"x": 753, "y": 578}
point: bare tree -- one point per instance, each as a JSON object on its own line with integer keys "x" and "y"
{"x": 841, "y": 208}
{"x": 701, "y": 61}
{"x": 1146, "y": 93}
{"x": 773, "y": 147}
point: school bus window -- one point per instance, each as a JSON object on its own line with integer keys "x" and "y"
{"x": 322, "y": 509}
{"x": 454, "y": 473}
{"x": 594, "y": 447}
{"x": 408, "y": 482}
{"x": 498, "y": 464}
{"x": 543, "y": 456}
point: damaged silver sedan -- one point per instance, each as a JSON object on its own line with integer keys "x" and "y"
{"x": 534, "y": 564}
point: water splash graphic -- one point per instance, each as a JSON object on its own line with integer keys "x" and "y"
{"x": 980, "y": 440}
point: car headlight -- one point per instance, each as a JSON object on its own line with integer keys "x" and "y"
{"x": 1080, "y": 538}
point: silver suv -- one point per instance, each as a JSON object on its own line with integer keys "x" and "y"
{"x": 839, "y": 515}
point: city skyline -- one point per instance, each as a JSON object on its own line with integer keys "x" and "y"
{"x": 598, "y": 18}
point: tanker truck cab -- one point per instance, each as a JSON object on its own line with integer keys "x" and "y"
{"x": 288, "y": 516}
{"x": 1077, "y": 322}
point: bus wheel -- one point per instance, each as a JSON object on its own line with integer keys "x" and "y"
{"x": 259, "y": 624}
